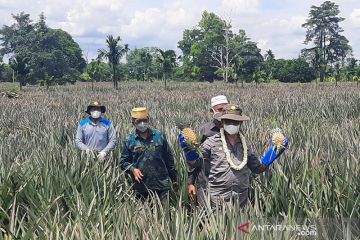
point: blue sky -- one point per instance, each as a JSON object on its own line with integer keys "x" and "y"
{"x": 273, "y": 24}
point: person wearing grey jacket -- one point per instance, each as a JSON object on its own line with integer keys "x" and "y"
{"x": 227, "y": 160}
{"x": 96, "y": 133}
{"x": 197, "y": 188}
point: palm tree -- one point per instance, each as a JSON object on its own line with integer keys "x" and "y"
{"x": 113, "y": 55}
{"x": 146, "y": 59}
{"x": 21, "y": 68}
{"x": 167, "y": 60}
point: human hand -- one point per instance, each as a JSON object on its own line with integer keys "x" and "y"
{"x": 101, "y": 156}
{"x": 191, "y": 190}
{"x": 137, "y": 175}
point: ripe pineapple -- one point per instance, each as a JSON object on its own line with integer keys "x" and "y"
{"x": 190, "y": 136}
{"x": 278, "y": 138}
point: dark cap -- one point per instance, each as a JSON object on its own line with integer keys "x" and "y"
{"x": 233, "y": 112}
{"x": 95, "y": 104}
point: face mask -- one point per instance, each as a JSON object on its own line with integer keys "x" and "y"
{"x": 232, "y": 129}
{"x": 142, "y": 127}
{"x": 95, "y": 114}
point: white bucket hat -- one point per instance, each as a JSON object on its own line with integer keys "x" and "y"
{"x": 220, "y": 99}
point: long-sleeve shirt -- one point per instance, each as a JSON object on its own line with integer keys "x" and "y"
{"x": 153, "y": 157}
{"x": 223, "y": 181}
{"x": 99, "y": 137}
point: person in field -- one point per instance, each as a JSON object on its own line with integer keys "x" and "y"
{"x": 96, "y": 134}
{"x": 147, "y": 157}
{"x": 197, "y": 181}
{"x": 227, "y": 160}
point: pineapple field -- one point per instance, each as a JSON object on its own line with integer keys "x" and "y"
{"x": 50, "y": 190}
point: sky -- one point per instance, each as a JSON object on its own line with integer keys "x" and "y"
{"x": 273, "y": 24}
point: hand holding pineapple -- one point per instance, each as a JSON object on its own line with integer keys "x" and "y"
{"x": 188, "y": 143}
{"x": 278, "y": 139}
{"x": 278, "y": 145}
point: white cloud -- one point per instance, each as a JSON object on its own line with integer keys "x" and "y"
{"x": 355, "y": 17}
{"x": 161, "y": 27}
{"x": 235, "y": 7}
{"x": 143, "y": 23}
{"x": 262, "y": 44}
{"x": 153, "y": 21}
{"x": 285, "y": 26}
{"x": 273, "y": 24}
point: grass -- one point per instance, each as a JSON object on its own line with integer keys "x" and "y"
{"x": 49, "y": 190}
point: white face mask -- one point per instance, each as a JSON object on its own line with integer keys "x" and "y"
{"x": 232, "y": 129}
{"x": 142, "y": 127}
{"x": 95, "y": 114}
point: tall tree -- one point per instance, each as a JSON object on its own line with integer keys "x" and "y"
{"x": 199, "y": 43}
{"x": 146, "y": 59}
{"x": 351, "y": 69}
{"x": 249, "y": 58}
{"x": 142, "y": 64}
{"x": 15, "y": 38}
{"x": 324, "y": 32}
{"x": 49, "y": 52}
{"x": 113, "y": 55}
{"x": 211, "y": 50}
{"x": 1, "y": 62}
{"x": 20, "y": 67}
{"x": 223, "y": 54}
{"x": 269, "y": 64}
{"x": 167, "y": 59}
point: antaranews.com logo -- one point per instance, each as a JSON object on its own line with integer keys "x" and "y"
{"x": 301, "y": 230}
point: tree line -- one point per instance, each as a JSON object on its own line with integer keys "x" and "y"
{"x": 210, "y": 51}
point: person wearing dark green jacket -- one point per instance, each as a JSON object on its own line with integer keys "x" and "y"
{"x": 146, "y": 155}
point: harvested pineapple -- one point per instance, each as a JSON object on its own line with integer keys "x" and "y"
{"x": 190, "y": 136}
{"x": 278, "y": 138}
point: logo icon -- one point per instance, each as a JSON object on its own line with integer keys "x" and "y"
{"x": 245, "y": 228}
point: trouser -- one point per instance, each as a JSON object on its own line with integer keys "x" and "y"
{"x": 235, "y": 198}
{"x": 163, "y": 196}
{"x": 200, "y": 196}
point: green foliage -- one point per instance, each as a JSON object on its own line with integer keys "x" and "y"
{"x": 323, "y": 30}
{"x": 167, "y": 61}
{"x": 6, "y": 74}
{"x": 269, "y": 64}
{"x": 295, "y": 70}
{"x": 20, "y": 66}
{"x": 99, "y": 71}
{"x": 142, "y": 65}
{"x": 198, "y": 44}
{"x": 113, "y": 55}
{"x": 85, "y": 77}
{"x": 48, "y": 52}
{"x": 211, "y": 50}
